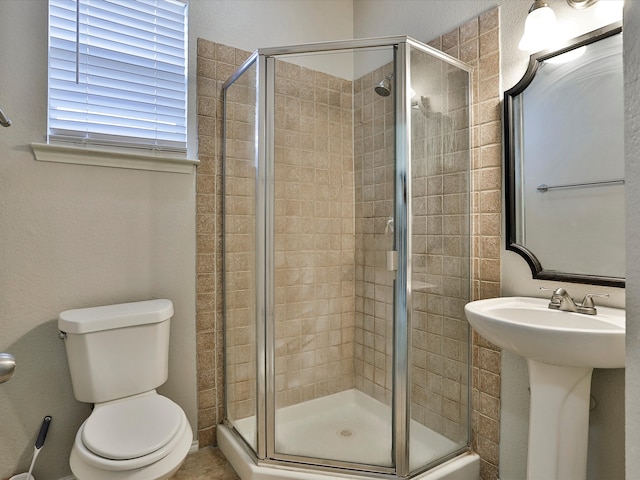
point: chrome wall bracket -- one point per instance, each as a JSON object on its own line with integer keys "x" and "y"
{"x": 7, "y": 366}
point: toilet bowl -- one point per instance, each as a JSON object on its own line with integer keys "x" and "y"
{"x": 146, "y": 436}
{"x": 117, "y": 355}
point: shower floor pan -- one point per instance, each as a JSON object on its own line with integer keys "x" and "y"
{"x": 347, "y": 426}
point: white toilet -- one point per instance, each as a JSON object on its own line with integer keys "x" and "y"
{"x": 118, "y": 355}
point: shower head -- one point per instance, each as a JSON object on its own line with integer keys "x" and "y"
{"x": 384, "y": 87}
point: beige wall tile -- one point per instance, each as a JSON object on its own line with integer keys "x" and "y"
{"x": 333, "y": 308}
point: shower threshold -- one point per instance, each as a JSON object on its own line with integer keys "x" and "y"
{"x": 348, "y": 426}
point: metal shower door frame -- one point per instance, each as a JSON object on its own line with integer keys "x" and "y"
{"x": 268, "y": 78}
{"x": 265, "y": 60}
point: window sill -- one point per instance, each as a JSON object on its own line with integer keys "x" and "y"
{"x": 111, "y": 157}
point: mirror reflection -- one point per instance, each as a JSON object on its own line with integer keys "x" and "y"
{"x": 565, "y": 162}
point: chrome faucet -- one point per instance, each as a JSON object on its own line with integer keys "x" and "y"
{"x": 561, "y": 300}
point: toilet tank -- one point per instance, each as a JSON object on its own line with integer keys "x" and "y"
{"x": 117, "y": 350}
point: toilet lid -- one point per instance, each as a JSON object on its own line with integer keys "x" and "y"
{"x": 131, "y": 428}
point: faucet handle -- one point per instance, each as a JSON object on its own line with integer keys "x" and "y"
{"x": 560, "y": 299}
{"x": 556, "y": 291}
{"x": 588, "y": 299}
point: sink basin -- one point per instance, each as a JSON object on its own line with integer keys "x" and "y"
{"x": 562, "y": 349}
{"x": 527, "y": 326}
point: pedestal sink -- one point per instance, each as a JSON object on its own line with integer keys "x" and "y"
{"x": 562, "y": 349}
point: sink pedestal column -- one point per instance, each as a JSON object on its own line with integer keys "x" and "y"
{"x": 558, "y": 422}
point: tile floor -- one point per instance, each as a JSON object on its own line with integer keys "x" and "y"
{"x": 206, "y": 464}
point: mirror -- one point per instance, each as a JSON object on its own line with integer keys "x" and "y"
{"x": 564, "y": 161}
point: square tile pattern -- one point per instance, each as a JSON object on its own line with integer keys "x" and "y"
{"x": 333, "y": 174}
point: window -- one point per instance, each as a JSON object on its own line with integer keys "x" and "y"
{"x": 118, "y": 73}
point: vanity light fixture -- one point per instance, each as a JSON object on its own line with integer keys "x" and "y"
{"x": 541, "y": 27}
{"x": 580, "y": 4}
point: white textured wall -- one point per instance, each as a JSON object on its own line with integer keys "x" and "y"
{"x": 75, "y": 236}
{"x": 632, "y": 155}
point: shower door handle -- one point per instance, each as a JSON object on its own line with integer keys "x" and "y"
{"x": 392, "y": 260}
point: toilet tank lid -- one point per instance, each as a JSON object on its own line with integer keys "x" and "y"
{"x": 94, "y": 319}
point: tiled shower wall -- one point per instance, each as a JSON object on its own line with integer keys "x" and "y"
{"x": 216, "y": 63}
{"x": 476, "y": 43}
{"x": 440, "y": 243}
{"x": 240, "y": 245}
{"x": 314, "y": 250}
{"x": 313, "y": 244}
{"x": 374, "y": 154}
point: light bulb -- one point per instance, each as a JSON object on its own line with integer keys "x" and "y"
{"x": 540, "y": 30}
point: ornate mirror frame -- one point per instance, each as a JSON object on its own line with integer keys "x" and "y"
{"x": 511, "y": 206}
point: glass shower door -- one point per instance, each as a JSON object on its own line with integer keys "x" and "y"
{"x": 439, "y": 262}
{"x": 332, "y": 225}
{"x": 347, "y": 255}
{"x": 241, "y": 258}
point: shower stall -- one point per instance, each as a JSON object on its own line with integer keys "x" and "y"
{"x": 346, "y": 261}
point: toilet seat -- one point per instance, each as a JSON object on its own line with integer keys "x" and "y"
{"x": 132, "y": 428}
{"x": 131, "y": 433}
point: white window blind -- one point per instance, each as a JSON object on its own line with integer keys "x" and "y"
{"x": 118, "y": 72}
